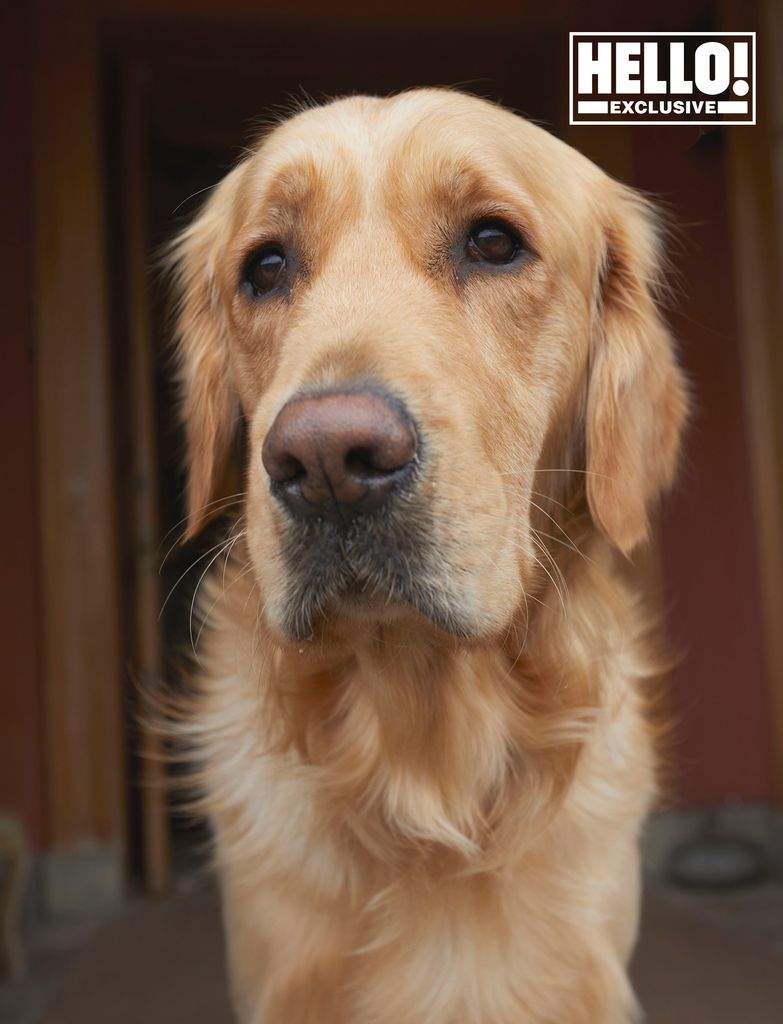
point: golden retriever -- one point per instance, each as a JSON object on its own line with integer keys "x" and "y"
{"x": 419, "y": 716}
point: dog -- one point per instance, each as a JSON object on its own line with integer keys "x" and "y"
{"x": 420, "y": 714}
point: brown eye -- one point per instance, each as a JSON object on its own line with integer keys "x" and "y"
{"x": 266, "y": 269}
{"x": 491, "y": 241}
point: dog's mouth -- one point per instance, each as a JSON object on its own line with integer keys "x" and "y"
{"x": 375, "y": 566}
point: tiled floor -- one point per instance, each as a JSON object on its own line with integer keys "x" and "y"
{"x": 703, "y": 959}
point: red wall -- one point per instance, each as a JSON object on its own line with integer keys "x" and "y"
{"x": 719, "y": 688}
{"x": 20, "y": 727}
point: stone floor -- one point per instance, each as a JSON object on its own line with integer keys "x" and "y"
{"x": 703, "y": 959}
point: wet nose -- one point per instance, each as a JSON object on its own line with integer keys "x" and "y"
{"x": 338, "y": 454}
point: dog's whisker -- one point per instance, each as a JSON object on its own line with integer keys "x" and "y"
{"x": 554, "y": 583}
{"x": 232, "y": 498}
{"x": 225, "y": 546}
{"x": 198, "y": 192}
{"x": 556, "y": 568}
{"x": 223, "y": 590}
{"x": 569, "y": 541}
{"x": 548, "y": 497}
{"x": 191, "y": 566}
{"x": 565, "y": 544}
{"x": 224, "y": 503}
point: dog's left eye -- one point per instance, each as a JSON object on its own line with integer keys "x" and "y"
{"x": 492, "y": 241}
{"x": 266, "y": 269}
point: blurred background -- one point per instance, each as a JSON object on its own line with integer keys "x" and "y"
{"x": 117, "y": 115}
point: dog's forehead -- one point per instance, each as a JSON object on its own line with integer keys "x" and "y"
{"x": 419, "y": 139}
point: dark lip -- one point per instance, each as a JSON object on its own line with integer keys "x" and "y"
{"x": 377, "y": 561}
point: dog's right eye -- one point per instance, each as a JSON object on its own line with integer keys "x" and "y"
{"x": 492, "y": 241}
{"x": 265, "y": 270}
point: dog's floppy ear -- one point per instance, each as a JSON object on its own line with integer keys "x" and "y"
{"x": 209, "y": 405}
{"x": 636, "y": 402}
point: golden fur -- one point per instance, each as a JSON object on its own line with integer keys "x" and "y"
{"x": 421, "y": 823}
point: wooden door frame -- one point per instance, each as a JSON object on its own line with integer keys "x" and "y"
{"x": 82, "y": 675}
{"x": 147, "y": 638}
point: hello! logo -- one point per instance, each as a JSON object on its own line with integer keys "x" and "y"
{"x": 662, "y": 78}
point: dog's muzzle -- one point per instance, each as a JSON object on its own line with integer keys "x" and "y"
{"x": 344, "y": 467}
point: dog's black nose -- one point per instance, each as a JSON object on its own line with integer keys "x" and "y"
{"x": 338, "y": 454}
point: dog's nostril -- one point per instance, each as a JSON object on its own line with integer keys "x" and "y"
{"x": 337, "y": 454}
{"x": 365, "y": 461}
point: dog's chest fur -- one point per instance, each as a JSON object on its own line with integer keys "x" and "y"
{"x": 413, "y": 828}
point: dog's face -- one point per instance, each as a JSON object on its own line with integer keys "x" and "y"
{"x": 432, "y": 316}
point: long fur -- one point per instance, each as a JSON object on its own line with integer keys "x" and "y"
{"x": 427, "y": 809}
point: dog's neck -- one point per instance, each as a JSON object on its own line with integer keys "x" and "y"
{"x": 419, "y": 742}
